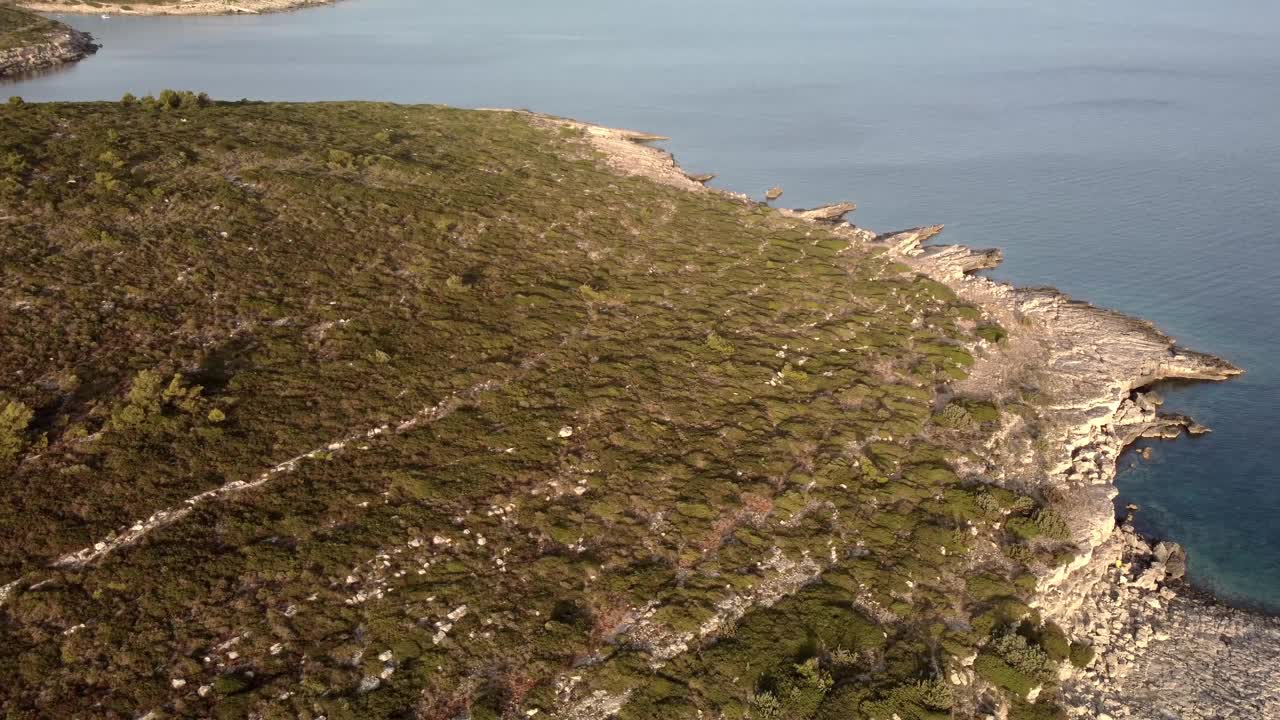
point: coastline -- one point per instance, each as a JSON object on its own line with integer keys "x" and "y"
{"x": 64, "y": 46}
{"x": 1163, "y": 648}
{"x": 195, "y": 7}
{"x": 1062, "y": 387}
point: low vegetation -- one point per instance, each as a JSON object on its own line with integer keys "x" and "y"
{"x": 496, "y": 430}
{"x": 21, "y": 28}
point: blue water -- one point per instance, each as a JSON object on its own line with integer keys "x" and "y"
{"x": 1126, "y": 152}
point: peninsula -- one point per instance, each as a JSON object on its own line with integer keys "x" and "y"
{"x": 29, "y": 42}
{"x": 358, "y": 410}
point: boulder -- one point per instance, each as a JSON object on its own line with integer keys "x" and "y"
{"x": 1174, "y": 559}
{"x": 832, "y": 213}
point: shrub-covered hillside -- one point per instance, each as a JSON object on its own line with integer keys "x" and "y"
{"x": 363, "y": 411}
{"x": 21, "y": 28}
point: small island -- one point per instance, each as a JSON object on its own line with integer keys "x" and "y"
{"x": 30, "y": 42}
{"x": 359, "y": 410}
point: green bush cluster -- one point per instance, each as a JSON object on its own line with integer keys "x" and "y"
{"x": 797, "y": 693}
{"x": 966, "y": 414}
{"x": 1044, "y": 523}
{"x": 1081, "y": 654}
{"x": 923, "y": 700}
{"x": 719, "y": 345}
{"x": 14, "y": 418}
{"x": 178, "y": 100}
{"x": 1016, "y": 661}
{"x": 991, "y": 333}
{"x": 1020, "y": 710}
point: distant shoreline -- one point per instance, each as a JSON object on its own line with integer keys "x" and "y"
{"x": 192, "y": 7}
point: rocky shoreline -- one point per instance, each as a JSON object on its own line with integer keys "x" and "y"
{"x": 1162, "y": 649}
{"x": 193, "y": 7}
{"x": 61, "y": 47}
{"x": 1165, "y": 649}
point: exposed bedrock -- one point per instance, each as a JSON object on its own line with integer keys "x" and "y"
{"x": 1162, "y": 650}
{"x": 64, "y": 46}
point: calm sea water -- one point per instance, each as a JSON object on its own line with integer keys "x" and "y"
{"x": 1126, "y": 152}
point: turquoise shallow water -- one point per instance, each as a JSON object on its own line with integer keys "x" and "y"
{"x": 1128, "y": 153}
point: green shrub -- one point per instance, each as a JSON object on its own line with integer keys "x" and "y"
{"x": 934, "y": 694}
{"x": 11, "y": 163}
{"x": 1003, "y": 612}
{"x": 1052, "y": 525}
{"x": 765, "y": 706}
{"x": 719, "y": 345}
{"x": 1054, "y": 641}
{"x": 1003, "y": 675}
{"x": 982, "y": 411}
{"x": 1023, "y": 528}
{"x": 341, "y": 159}
{"x": 1081, "y": 654}
{"x": 1020, "y": 710}
{"x": 230, "y": 684}
{"x": 1023, "y": 655}
{"x": 1045, "y": 523}
{"x": 966, "y": 414}
{"x": 923, "y": 700}
{"x": 141, "y": 403}
{"x": 14, "y": 418}
{"x": 181, "y": 99}
{"x": 796, "y": 694}
{"x": 697, "y": 511}
{"x": 988, "y": 587}
{"x": 954, "y": 416}
{"x": 991, "y": 333}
